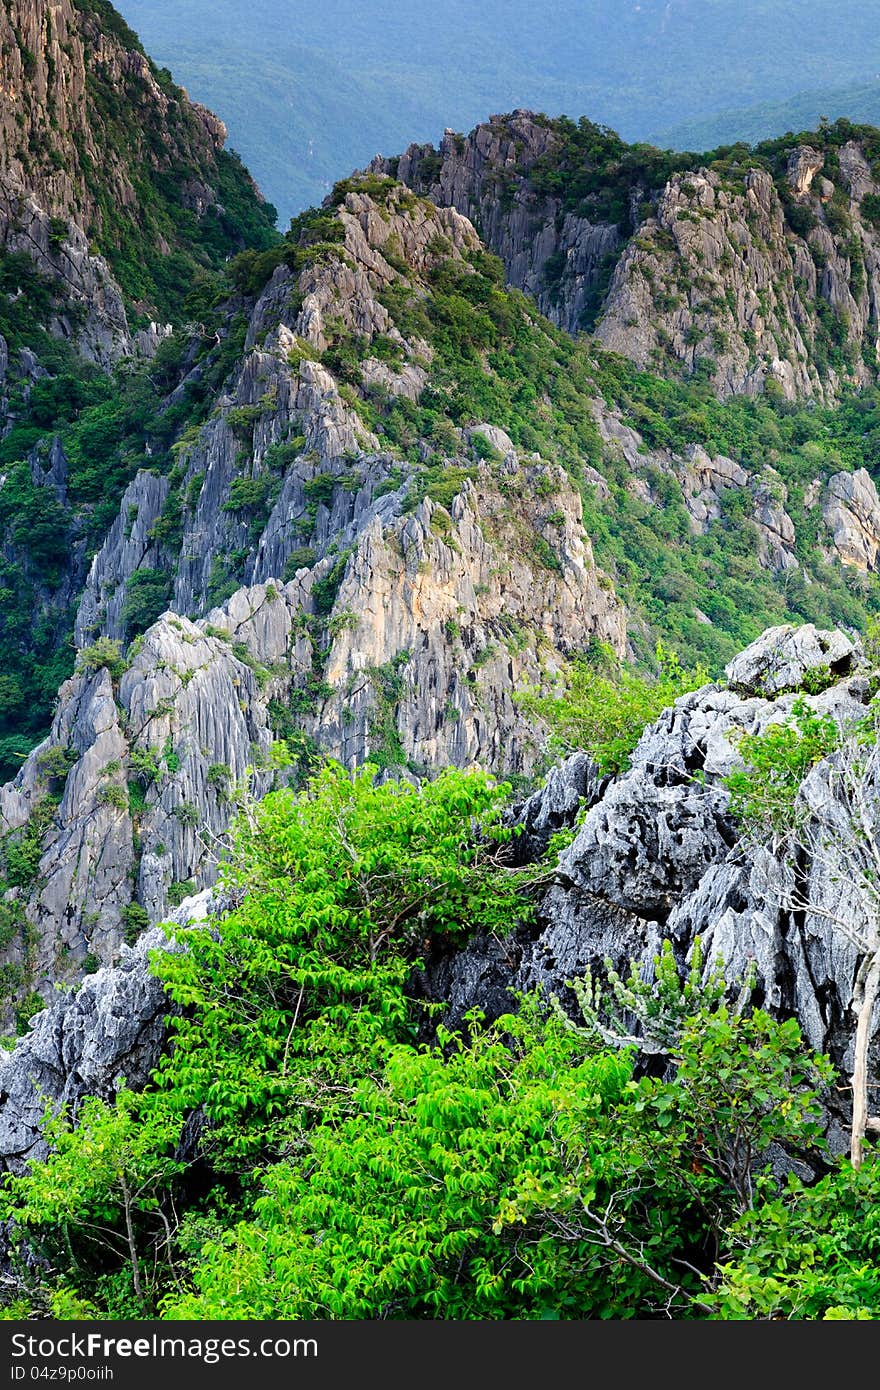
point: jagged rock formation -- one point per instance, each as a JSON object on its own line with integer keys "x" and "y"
{"x": 720, "y": 273}
{"x": 851, "y": 511}
{"x": 381, "y": 626}
{"x": 766, "y": 277}
{"x": 656, "y": 855}
{"x": 485, "y": 175}
{"x": 704, "y": 481}
{"x": 89, "y": 129}
{"x": 436, "y": 637}
{"x": 376, "y": 592}
{"x": 402, "y": 632}
{"x": 90, "y": 1041}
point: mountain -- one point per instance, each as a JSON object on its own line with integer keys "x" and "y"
{"x": 111, "y": 216}
{"x": 856, "y": 101}
{"x": 316, "y": 89}
{"x": 316, "y": 551}
{"x": 373, "y": 406}
{"x": 93, "y": 133}
{"x": 397, "y": 501}
{"x": 747, "y": 265}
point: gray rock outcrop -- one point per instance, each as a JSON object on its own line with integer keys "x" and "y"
{"x": 711, "y": 268}
{"x": 720, "y": 274}
{"x": 657, "y": 855}
{"x": 851, "y": 511}
{"x": 90, "y": 1041}
{"x": 485, "y": 175}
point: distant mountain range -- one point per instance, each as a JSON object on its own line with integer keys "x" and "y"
{"x": 310, "y": 89}
{"x": 859, "y": 102}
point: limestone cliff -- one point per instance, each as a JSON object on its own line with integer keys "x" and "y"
{"x": 653, "y": 854}
{"x": 317, "y": 588}
{"x": 102, "y": 158}
{"x": 763, "y": 281}
{"x": 656, "y": 855}
{"x": 556, "y": 255}
{"x": 762, "y": 265}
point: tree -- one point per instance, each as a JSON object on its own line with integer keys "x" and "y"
{"x": 103, "y": 1195}
{"x": 606, "y": 707}
{"x": 814, "y": 785}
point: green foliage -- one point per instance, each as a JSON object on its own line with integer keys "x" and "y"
{"x": 21, "y": 850}
{"x": 870, "y": 209}
{"x": 521, "y": 1170}
{"x": 391, "y": 1213}
{"x": 764, "y": 792}
{"x": 105, "y": 653}
{"x": 180, "y": 890}
{"x": 325, "y": 591}
{"x": 807, "y": 1252}
{"x": 135, "y": 919}
{"x": 248, "y": 494}
{"x": 113, "y": 795}
{"x": 54, "y": 763}
{"x": 344, "y": 883}
{"x": 147, "y": 593}
{"x": 517, "y": 1174}
{"x": 98, "y": 1194}
{"x": 658, "y": 1008}
{"x": 606, "y": 707}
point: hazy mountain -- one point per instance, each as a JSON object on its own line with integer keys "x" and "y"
{"x": 858, "y": 102}
{"x": 311, "y": 89}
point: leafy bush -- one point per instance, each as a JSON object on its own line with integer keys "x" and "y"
{"x": 147, "y": 594}
{"x": 765, "y": 789}
{"x": 106, "y": 653}
{"x": 605, "y": 710}
{"x": 807, "y": 1252}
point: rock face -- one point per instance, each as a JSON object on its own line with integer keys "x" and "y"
{"x": 145, "y": 803}
{"x": 704, "y": 480}
{"x": 70, "y": 73}
{"x": 89, "y": 1042}
{"x": 485, "y": 176}
{"x": 762, "y": 289}
{"x": 657, "y": 856}
{"x": 851, "y": 511}
{"x": 654, "y": 855}
{"x": 765, "y": 279}
{"x": 381, "y": 626}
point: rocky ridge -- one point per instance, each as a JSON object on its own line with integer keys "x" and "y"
{"x": 655, "y": 855}
{"x": 485, "y": 175}
{"x": 764, "y": 268}
{"x": 89, "y": 127}
{"x": 401, "y": 633}
{"x": 719, "y": 274}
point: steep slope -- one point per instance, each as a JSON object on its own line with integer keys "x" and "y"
{"x": 118, "y": 205}
{"x": 101, "y": 153}
{"x": 751, "y": 266}
{"x": 509, "y": 176}
{"x": 656, "y": 854}
{"x": 400, "y": 591}
{"x": 375, "y": 536}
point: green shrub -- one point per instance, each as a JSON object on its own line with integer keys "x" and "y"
{"x": 135, "y": 920}
{"x": 607, "y": 707}
{"x": 105, "y": 653}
